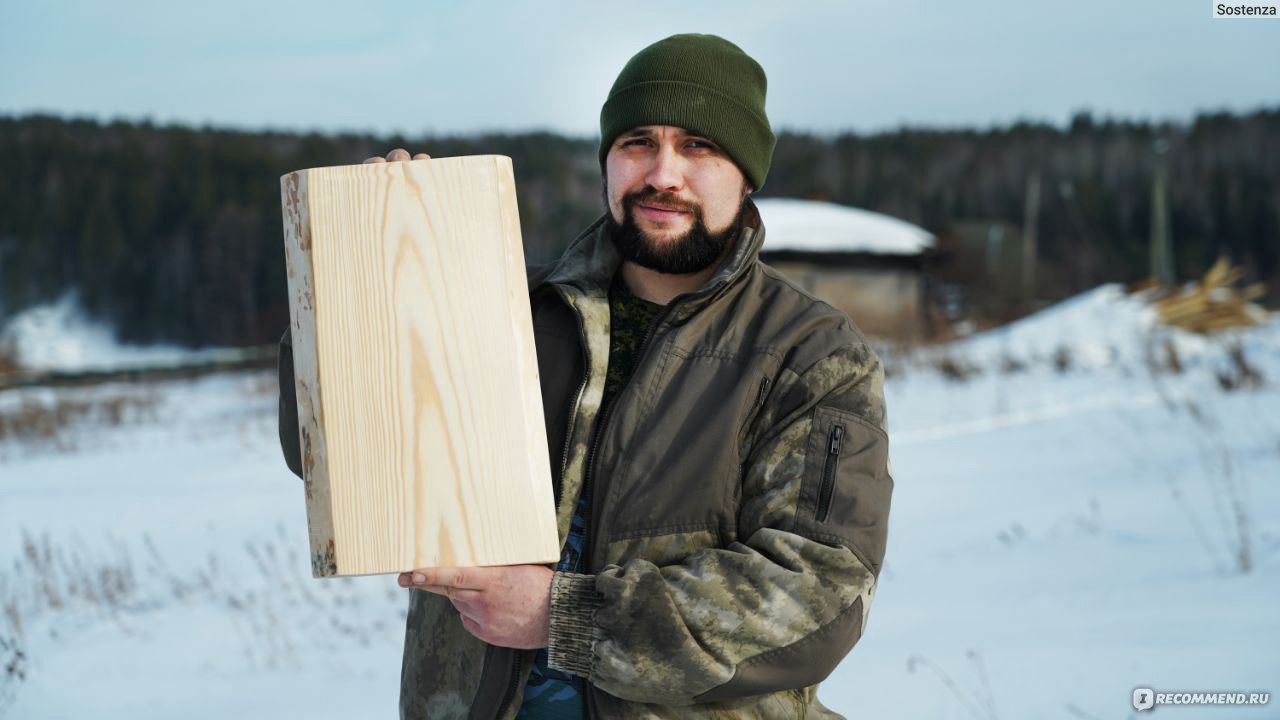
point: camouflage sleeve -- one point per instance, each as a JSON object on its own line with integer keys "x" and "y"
{"x": 781, "y": 608}
{"x": 288, "y": 419}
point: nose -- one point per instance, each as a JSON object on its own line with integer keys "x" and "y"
{"x": 667, "y": 171}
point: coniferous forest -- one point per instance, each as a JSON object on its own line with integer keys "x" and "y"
{"x": 173, "y": 233}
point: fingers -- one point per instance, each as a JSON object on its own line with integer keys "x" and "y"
{"x": 458, "y": 595}
{"x": 397, "y": 155}
{"x": 438, "y": 579}
{"x": 469, "y": 578}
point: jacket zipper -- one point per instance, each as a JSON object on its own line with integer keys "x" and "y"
{"x": 511, "y": 688}
{"x": 668, "y": 311}
{"x": 829, "y": 473}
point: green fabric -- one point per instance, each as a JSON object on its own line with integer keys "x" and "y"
{"x": 702, "y": 83}
{"x": 630, "y": 319}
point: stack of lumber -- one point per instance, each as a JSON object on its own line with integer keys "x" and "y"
{"x": 1213, "y": 304}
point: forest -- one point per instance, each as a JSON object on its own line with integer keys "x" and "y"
{"x": 173, "y": 233}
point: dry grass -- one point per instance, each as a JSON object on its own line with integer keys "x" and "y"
{"x": 262, "y": 384}
{"x": 1224, "y": 526}
{"x": 50, "y": 419}
{"x": 283, "y": 617}
{"x": 8, "y": 360}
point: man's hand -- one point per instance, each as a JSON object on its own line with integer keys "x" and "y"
{"x": 508, "y": 605}
{"x": 397, "y": 155}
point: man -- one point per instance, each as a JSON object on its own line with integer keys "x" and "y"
{"x": 718, "y": 442}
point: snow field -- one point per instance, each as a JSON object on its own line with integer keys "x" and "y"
{"x": 1060, "y": 534}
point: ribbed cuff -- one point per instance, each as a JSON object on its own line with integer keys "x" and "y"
{"x": 574, "y": 602}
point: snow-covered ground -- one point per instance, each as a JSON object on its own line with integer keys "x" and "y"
{"x": 1067, "y": 525}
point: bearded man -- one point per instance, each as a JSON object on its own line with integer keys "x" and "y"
{"x": 718, "y": 443}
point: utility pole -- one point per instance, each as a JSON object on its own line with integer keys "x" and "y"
{"x": 1030, "y": 215}
{"x": 995, "y": 249}
{"x": 1161, "y": 242}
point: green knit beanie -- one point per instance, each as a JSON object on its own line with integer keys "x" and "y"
{"x": 702, "y": 83}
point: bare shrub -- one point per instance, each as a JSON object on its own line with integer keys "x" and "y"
{"x": 1239, "y": 373}
{"x": 1062, "y": 359}
{"x": 1225, "y": 483}
{"x": 1011, "y": 365}
{"x": 979, "y": 703}
{"x": 13, "y": 669}
{"x": 954, "y": 368}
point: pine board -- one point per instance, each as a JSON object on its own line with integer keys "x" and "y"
{"x": 420, "y": 417}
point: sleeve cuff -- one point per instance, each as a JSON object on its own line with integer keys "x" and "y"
{"x": 574, "y": 602}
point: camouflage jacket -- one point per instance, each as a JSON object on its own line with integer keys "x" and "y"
{"x": 740, "y": 494}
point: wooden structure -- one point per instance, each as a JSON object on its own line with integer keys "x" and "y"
{"x": 870, "y": 265}
{"x": 420, "y": 416}
{"x": 1213, "y": 304}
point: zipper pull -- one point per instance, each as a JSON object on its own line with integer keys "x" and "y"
{"x": 763, "y": 392}
{"x": 837, "y": 433}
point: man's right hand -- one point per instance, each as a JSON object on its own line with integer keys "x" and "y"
{"x": 397, "y": 155}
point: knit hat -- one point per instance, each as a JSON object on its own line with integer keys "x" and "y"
{"x": 702, "y": 83}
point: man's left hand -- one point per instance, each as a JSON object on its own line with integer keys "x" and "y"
{"x": 508, "y": 605}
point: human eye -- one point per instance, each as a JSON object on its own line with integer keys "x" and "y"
{"x": 634, "y": 141}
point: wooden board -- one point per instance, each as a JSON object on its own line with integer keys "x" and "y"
{"x": 419, "y": 409}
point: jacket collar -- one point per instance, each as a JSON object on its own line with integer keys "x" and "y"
{"x": 590, "y": 262}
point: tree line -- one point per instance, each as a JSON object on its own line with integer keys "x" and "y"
{"x": 173, "y": 233}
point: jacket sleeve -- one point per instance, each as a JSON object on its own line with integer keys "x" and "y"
{"x": 779, "y": 609}
{"x": 289, "y": 443}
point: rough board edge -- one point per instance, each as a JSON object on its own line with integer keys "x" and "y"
{"x": 297, "y": 244}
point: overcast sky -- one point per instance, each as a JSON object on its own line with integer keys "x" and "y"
{"x": 429, "y": 66}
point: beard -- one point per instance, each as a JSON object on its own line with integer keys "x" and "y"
{"x": 692, "y": 252}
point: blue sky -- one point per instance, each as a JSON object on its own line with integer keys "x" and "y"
{"x": 465, "y": 67}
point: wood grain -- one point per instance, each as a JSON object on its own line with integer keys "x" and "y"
{"x": 420, "y": 416}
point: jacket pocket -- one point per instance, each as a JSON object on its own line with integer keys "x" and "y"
{"x": 844, "y": 498}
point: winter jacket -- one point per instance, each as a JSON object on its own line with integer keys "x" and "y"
{"x": 739, "y": 487}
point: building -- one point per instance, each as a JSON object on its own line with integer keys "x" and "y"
{"x": 870, "y": 265}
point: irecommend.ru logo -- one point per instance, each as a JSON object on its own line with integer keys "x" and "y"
{"x": 1146, "y": 698}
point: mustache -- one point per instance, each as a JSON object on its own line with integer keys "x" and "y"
{"x": 656, "y": 198}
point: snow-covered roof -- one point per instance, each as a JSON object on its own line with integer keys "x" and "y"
{"x": 812, "y": 226}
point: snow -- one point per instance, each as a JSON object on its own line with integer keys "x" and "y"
{"x": 1060, "y": 535}
{"x": 812, "y": 226}
{"x": 1098, "y": 328}
{"x": 59, "y": 337}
